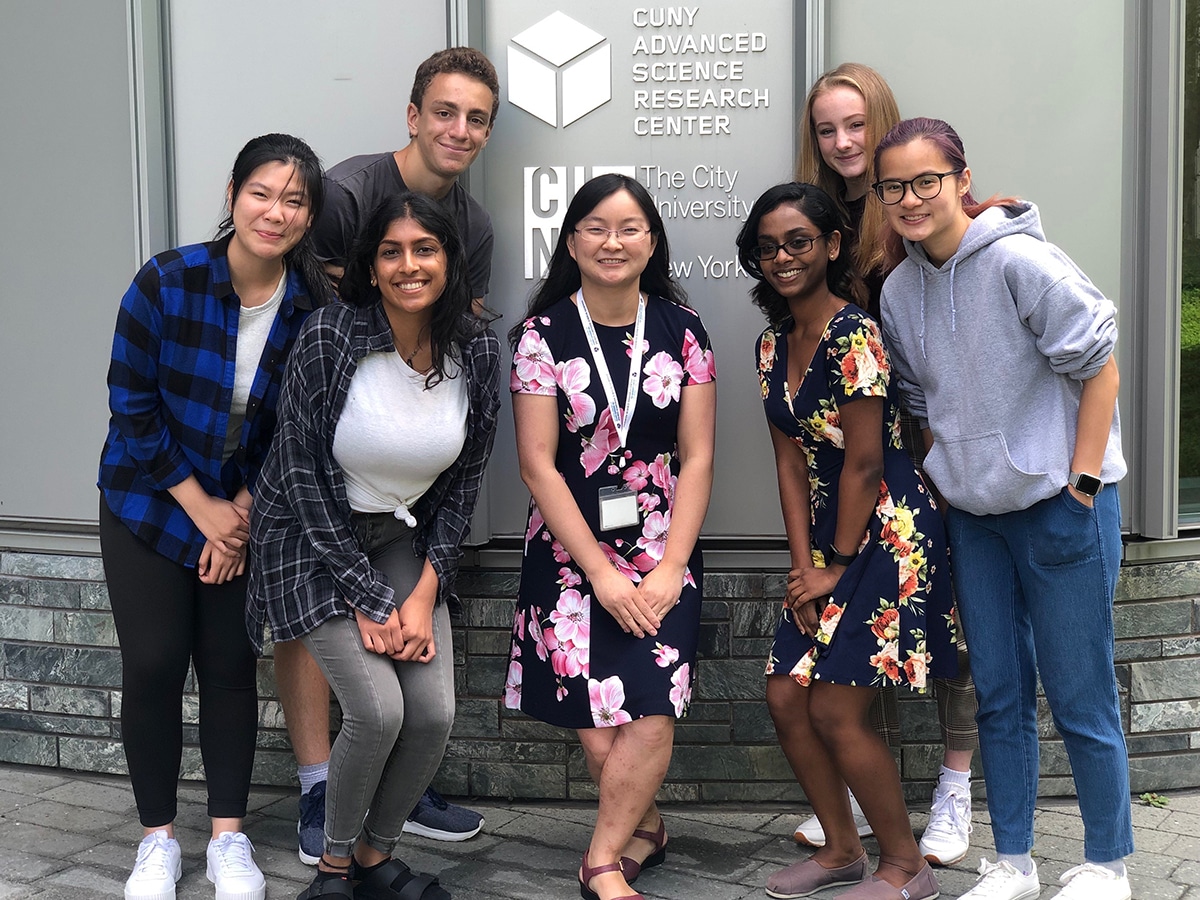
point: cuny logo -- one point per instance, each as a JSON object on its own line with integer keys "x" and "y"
{"x": 548, "y": 191}
{"x": 559, "y": 70}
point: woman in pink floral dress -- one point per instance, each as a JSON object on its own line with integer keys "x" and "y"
{"x": 614, "y": 401}
{"x": 868, "y": 600}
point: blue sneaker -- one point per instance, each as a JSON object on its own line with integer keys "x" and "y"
{"x": 436, "y": 818}
{"x": 311, "y": 827}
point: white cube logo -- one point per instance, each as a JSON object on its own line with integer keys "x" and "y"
{"x": 559, "y": 70}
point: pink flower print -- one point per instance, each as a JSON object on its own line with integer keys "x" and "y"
{"x": 620, "y": 563}
{"x": 654, "y": 534}
{"x": 607, "y": 697}
{"x": 681, "y": 692}
{"x": 533, "y": 365}
{"x": 699, "y": 363}
{"x": 573, "y": 378}
{"x": 561, "y": 692}
{"x": 512, "y": 686}
{"x": 539, "y": 636}
{"x": 571, "y": 617}
{"x": 636, "y": 475}
{"x": 603, "y": 441}
{"x": 560, "y": 553}
{"x": 569, "y": 660}
{"x": 663, "y": 377}
{"x": 519, "y": 624}
{"x": 515, "y": 653}
{"x": 665, "y": 655}
{"x": 644, "y": 562}
{"x": 535, "y": 522}
{"x": 648, "y": 502}
{"x": 628, "y": 342}
{"x": 614, "y": 469}
{"x": 688, "y": 579}
{"x": 660, "y": 472}
{"x": 569, "y": 578}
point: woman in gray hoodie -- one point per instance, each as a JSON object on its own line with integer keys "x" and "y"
{"x": 1003, "y": 349}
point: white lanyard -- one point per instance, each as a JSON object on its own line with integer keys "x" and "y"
{"x": 620, "y": 422}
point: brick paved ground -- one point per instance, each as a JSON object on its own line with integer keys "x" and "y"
{"x": 71, "y": 836}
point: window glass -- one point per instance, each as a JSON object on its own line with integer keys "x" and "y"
{"x": 1189, "y": 406}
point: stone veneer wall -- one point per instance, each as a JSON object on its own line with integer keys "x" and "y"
{"x": 60, "y": 697}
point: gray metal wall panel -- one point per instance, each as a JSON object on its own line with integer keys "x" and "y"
{"x": 68, "y": 246}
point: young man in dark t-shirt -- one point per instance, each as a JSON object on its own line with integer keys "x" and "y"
{"x": 453, "y": 105}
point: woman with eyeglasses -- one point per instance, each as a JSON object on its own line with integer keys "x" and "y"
{"x": 868, "y": 597}
{"x": 1004, "y": 350}
{"x": 848, "y": 110}
{"x": 614, "y": 401}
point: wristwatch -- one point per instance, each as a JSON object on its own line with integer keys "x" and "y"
{"x": 1088, "y": 485}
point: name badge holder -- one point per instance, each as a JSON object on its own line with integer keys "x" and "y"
{"x": 618, "y": 504}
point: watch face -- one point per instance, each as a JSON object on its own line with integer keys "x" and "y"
{"x": 1086, "y": 484}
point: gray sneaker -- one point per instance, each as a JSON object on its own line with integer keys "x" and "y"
{"x": 436, "y": 818}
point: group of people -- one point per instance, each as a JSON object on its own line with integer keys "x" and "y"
{"x": 304, "y": 407}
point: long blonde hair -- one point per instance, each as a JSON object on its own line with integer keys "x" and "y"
{"x": 882, "y": 114}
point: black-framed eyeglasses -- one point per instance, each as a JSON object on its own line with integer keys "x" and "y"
{"x": 794, "y": 247}
{"x": 925, "y": 187}
{"x": 627, "y": 235}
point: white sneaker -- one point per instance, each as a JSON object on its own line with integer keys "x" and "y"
{"x": 1093, "y": 882}
{"x": 946, "y": 840}
{"x": 231, "y": 868}
{"x": 1002, "y": 881}
{"x": 810, "y": 831}
{"x": 156, "y": 870}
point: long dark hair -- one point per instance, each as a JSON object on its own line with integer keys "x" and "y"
{"x": 562, "y": 276}
{"x": 823, "y": 212}
{"x": 284, "y": 148}
{"x": 451, "y": 324}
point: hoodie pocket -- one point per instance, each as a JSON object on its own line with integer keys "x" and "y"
{"x": 976, "y": 473}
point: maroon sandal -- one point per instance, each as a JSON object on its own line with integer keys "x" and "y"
{"x": 588, "y": 873}
{"x": 632, "y": 868}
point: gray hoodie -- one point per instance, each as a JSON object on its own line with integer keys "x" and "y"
{"x": 990, "y": 351}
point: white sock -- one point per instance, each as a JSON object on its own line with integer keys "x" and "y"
{"x": 1022, "y": 862}
{"x": 1116, "y": 865}
{"x": 956, "y": 778}
{"x": 310, "y": 776}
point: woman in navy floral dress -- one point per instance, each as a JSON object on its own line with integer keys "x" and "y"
{"x": 609, "y": 607}
{"x": 868, "y": 600}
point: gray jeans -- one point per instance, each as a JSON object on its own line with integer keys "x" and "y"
{"x": 396, "y": 716}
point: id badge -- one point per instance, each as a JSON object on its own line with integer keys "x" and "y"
{"x": 618, "y": 508}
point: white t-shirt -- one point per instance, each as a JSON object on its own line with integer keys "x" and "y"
{"x": 395, "y": 437}
{"x": 254, "y": 327}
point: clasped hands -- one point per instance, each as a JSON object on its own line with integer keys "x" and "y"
{"x": 808, "y": 588}
{"x": 406, "y": 636}
{"x": 639, "y": 608}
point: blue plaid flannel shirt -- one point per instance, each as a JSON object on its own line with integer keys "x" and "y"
{"x": 170, "y": 386}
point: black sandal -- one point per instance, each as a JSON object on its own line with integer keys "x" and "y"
{"x": 329, "y": 887}
{"x": 395, "y": 881}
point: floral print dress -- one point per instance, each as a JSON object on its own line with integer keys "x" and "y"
{"x": 571, "y": 664}
{"x": 890, "y": 620}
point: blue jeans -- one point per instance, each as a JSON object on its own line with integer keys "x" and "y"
{"x": 1035, "y": 590}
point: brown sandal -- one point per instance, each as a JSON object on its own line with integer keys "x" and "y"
{"x": 632, "y": 868}
{"x": 587, "y": 873}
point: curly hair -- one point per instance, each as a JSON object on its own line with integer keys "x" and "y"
{"x": 464, "y": 61}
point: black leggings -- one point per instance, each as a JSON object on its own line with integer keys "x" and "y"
{"x": 166, "y": 617}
